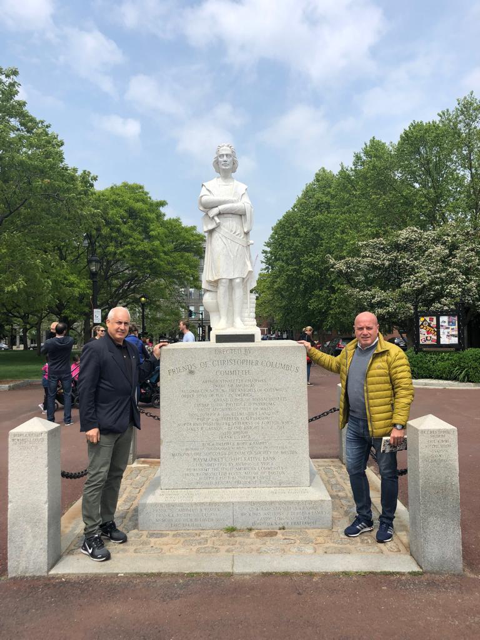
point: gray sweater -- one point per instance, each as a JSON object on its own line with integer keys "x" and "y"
{"x": 356, "y": 381}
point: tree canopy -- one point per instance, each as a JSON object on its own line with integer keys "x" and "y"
{"x": 52, "y": 219}
{"x": 389, "y": 231}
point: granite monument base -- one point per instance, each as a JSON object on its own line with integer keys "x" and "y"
{"x": 256, "y": 508}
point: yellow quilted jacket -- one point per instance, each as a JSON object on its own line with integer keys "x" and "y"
{"x": 388, "y": 384}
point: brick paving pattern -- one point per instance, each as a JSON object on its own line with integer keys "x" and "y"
{"x": 275, "y": 542}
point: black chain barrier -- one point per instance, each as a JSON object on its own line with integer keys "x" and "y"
{"x": 75, "y": 475}
{"x": 149, "y": 414}
{"x": 325, "y": 413}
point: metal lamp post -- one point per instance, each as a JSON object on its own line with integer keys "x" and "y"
{"x": 143, "y": 301}
{"x": 94, "y": 266}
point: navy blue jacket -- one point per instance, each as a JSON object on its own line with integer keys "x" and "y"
{"x": 58, "y": 351}
{"x": 107, "y": 396}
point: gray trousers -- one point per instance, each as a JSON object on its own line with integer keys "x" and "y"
{"x": 108, "y": 460}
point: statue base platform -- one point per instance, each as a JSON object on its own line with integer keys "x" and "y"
{"x": 243, "y": 508}
{"x": 248, "y": 334}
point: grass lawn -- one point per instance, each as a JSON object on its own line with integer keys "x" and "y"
{"x": 21, "y": 365}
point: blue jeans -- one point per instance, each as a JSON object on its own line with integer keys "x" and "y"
{"x": 66, "y": 381}
{"x": 309, "y": 366}
{"x": 358, "y": 447}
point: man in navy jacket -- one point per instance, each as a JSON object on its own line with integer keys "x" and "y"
{"x": 109, "y": 377}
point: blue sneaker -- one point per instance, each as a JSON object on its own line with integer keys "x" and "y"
{"x": 357, "y": 527}
{"x": 385, "y": 532}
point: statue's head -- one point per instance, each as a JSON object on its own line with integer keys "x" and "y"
{"x": 225, "y": 148}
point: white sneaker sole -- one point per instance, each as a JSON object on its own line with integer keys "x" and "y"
{"x": 383, "y": 541}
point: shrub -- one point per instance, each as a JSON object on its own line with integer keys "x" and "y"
{"x": 442, "y": 365}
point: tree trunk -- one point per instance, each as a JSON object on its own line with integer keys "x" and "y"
{"x": 25, "y": 337}
{"x": 39, "y": 337}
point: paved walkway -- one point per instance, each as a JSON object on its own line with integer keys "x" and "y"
{"x": 242, "y": 551}
{"x": 250, "y": 607}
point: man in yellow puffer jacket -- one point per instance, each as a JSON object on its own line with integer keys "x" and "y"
{"x": 375, "y": 400}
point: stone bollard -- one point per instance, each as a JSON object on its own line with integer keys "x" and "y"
{"x": 434, "y": 495}
{"x": 342, "y": 433}
{"x": 34, "y": 498}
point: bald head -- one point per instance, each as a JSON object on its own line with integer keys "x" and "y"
{"x": 118, "y": 322}
{"x": 366, "y": 328}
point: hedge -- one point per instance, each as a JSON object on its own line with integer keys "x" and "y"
{"x": 463, "y": 366}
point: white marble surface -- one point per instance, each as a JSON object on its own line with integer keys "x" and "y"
{"x": 228, "y": 275}
{"x": 267, "y": 508}
{"x": 234, "y": 416}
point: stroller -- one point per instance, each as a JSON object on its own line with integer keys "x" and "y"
{"x": 150, "y": 389}
{"x": 61, "y": 400}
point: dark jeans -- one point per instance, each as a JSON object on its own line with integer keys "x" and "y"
{"x": 108, "y": 460}
{"x": 309, "y": 366}
{"x": 358, "y": 447}
{"x": 66, "y": 381}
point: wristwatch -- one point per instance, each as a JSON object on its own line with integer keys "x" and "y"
{"x": 399, "y": 426}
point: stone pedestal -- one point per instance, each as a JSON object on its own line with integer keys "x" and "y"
{"x": 234, "y": 449}
{"x": 34, "y": 498}
{"x": 434, "y": 495}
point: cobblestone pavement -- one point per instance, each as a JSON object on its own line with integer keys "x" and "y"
{"x": 275, "y": 542}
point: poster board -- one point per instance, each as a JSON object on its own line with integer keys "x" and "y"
{"x": 438, "y": 330}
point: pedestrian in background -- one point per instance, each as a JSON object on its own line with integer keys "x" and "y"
{"x": 97, "y": 332}
{"x": 43, "y": 406}
{"x": 137, "y": 342}
{"x": 75, "y": 368}
{"x": 184, "y": 327}
{"x": 307, "y": 336}
{"x": 58, "y": 351}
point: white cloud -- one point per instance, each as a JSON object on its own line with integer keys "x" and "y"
{"x": 27, "y": 15}
{"x": 306, "y": 136}
{"x": 127, "y": 128}
{"x": 318, "y": 38}
{"x": 405, "y": 88}
{"x": 32, "y": 95}
{"x": 150, "y": 15}
{"x": 200, "y": 136}
{"x": 147, "y": 94}
{"x": 92, "y": 56}
{"x": 471, "y": 82}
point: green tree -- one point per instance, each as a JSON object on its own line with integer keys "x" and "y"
{"x": 430, "y": 269}
{"x": 140, "y": 250}
{"x": 429, "y": 179}
{"x": 464, "y": 122}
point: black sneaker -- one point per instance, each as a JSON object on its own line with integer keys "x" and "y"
{"x": 95, "y": 548}
{"x": 357, "y": 527}
{"x": 109, "y": 530}
{"x": 385, "y": 532}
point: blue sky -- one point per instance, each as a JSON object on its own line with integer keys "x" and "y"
{"x": 144, "y": 90}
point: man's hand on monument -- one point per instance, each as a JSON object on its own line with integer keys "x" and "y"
{"x": 93, "y": 435}
{"x": 305, "y": 344}
{"x": 157, "y": 347}
{"x": 396, "y": 437}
